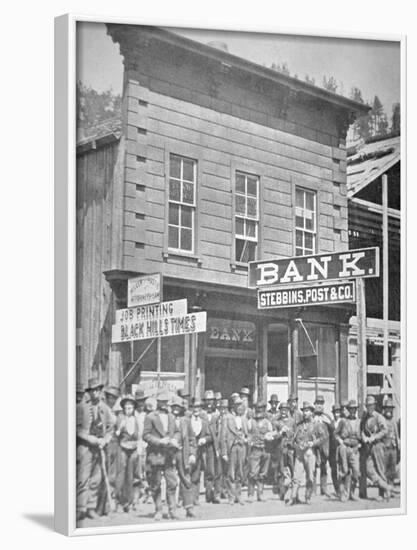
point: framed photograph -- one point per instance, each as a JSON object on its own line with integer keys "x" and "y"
{"x": 230, "y": 292}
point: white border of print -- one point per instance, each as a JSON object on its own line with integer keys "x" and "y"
{"x": 65, "y": 290}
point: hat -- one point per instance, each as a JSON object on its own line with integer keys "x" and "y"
{"x": 260, "y": 405}
{"x": 224, "y": 403}
{"x": 307, "y": 405}
{"x": 197, "y": 402}
{"x": 176, "y": 401}
{"x": 344, "y": 403}
{"x": 237, "y": 401}
{"x": 183, "y": 393}
{"x": 162, "y": 395}
{"x": 293, "y": 397}
{"x": 112, "y": 390}
{"x": 140, "y": 394}
{"x": 217, "y": 395}
{"x": 127, "y": 399}
{"x": 319, "y": 399}
{"x": 79, "y": 388}
{"x": 273, "y": 398}
{"x": 352, "y": 404}
{"x": 209, "y": 394}
{"x": 244, "y": 391}
{"x": 336, "y": 407}
{"x": 388, "y": 404}
{"x": 94, "y": 384}
{"x": 234, "y": 396}
{"x": 370, "y": 400}
{"x": 283, "y": 405}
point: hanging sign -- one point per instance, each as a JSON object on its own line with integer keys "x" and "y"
{"x": 348, "y": 264}
{"x": 144, "y": 290}
{"x": 175, "y": 308}
{"x": 308, "y": 295}
{"x": 132, "y": 330}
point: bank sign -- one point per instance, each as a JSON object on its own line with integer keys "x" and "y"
{"x": 349, "y": 264}
{"x": 296, "y": 296}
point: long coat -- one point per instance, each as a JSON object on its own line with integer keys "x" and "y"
{"x": 229, "y": 433}
{"x": 159, "y": 454}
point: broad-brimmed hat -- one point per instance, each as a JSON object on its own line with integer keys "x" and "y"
{"x": 370, "y": 400}
{"x": 273, "y": 398}
{"x": 209, "y": 394}
{"x": 244, "y": 391}
{"x": 112, "y": 390}
{"x": 176, "y": 401}
{"x": 352, "y": 404}
{"x": 162, "y": 395}
{"x": 197, "y": 402}
{"x": 140, "y": 394}
{"x": 307, "y": 405}
{"x": 293, "y": 397}
{"x": 224, "y": 403}
{"x": 319, "y": 399}
{"x": 127, "y": 399}
{"x": 344, "y": 403}
{"x": 283, "y": 405}
{"x": 336, "y": 407}
{"x": 234, "y": 396}
{"x": 237, "y": 401}
{"x": 388, "y": 404}
{"x": 94, "y": 384}
{"x": 259, "y": 405}
{"x": 182, "y": 392}
{"x": 217, "y": 395}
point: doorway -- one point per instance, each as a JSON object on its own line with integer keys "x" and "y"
{"x": 228, "y": 375}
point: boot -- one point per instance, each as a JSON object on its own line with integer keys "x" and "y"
{"x": 189, "y": 512}
{"x": 251, "y": 490}
{"x": 260, "y": 490}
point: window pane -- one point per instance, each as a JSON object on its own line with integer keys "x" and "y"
{"x": 240, "y": 244}
{"x": 252, "y": 186}
{"x": 174, "y": 190}
{"x": 252, "y": 207}
{"x": 240, "y": 183}
{"x": 186, "y": 216}
{"x": 188, "y": 193}
{"x": 308, "y": 240}
{"x": 299, "y": 252}
{"x": 299, "y": 238}
{"x": 175, "y": 167}
{"x": 174, "y": 214}
{"x": 299, "y": 198}
{"x": 251, "y": 256}
{"x": 173, "y": 237}
{"x": 310, "y": 201}
{"x": 250, "y": 228}
{"x": 240, "y": 204}
{"x": 188, "y": 169}
{"x": 299, "y": 222}
{"x": 186, "y": 239}
{"x": 240, "y": 226}
{"x": 309, "y": 222}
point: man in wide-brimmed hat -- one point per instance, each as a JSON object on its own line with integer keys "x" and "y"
{"x": 161, "y": 434}
{"x": 212, "y": 466}
{"x": 308, "y": 437}
{"x": 283, "y": 453}
{"x": 140, "y": 473}
{"x": 323, "y": 449}
{"x": 95, "y": 425}
{"x": 260, "y": 433}
{"x": 391, "y": 442}
{"x": 373, "y": 431}
{"x": 348, "y": 437}
{"x": 294, "y": 411}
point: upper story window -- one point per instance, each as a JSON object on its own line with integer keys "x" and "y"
{"x": 181, "y": 205}
{"x": 246, "y": 216}
{"x": 305, "y": 221}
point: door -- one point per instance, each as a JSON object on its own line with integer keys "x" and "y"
{"x": 228, "y": 375}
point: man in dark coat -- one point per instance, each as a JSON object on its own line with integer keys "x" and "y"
{"x": 95, "y": 426}
{"x": 347, "y": 434}
{"x": 323, "y": 449}
{"x": 161, "y": 434}
{"x": 391, "y": 442}
{"x": 212, "y": 470}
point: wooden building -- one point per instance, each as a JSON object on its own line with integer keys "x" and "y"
{"x": 367, "y": 164}
{"x": 217, "y": 161}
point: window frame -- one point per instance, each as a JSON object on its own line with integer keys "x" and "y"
{"x": 314, "y": 233}
{"x": 245, "y": 171}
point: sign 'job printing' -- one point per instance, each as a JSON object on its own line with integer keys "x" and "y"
{"x": 320, "y": 267}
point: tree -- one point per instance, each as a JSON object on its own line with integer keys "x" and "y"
{"x": 94, "y": 108}
{"x": 281, "y": 68}
{"x": 310, "y": 79}
{"x": 396, "y": 119}
{"x": 330, "y": 84}
{"x": 377, "y": 114}
{"x": 362, "y": 126}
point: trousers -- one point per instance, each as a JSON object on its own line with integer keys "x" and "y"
{"x": 304, "y": 468}
{"x": 89, "y": 477}
{"x": 235, "y": 471}
{"x": 154, "y": 479}
{"x": 212, "y": 474}
{"x": 375, "y": 465}
{"x": 124, "y": 483}
{"x": 259, "y": 461}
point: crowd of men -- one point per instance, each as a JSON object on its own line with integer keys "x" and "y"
{"x": 127, "y": 445}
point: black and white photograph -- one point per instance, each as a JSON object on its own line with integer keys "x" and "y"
{"x": 239, "y": 284}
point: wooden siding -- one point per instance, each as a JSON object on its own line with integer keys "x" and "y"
{"x": 99, "y": 230}
{"x": 221, "y": 143}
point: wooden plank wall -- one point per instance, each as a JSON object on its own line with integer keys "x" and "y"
{"x": 158, "y": 124}
{"x": 98, "y": 249}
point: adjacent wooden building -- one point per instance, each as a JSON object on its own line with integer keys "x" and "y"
{"x": 216, "y": 161}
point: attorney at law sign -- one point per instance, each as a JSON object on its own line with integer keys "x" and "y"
{"x": 144, "y": 290}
